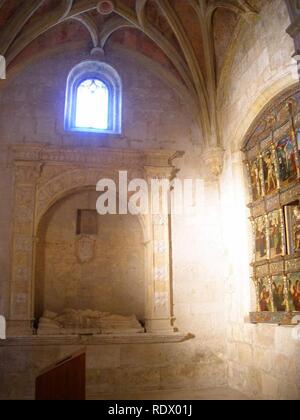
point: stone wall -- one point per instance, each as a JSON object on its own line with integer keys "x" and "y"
{"x": 258, "y": 67}
{"x": 211, "y": 250}
{"x": 114, "y": 370}
{"x": 262, "y": 359}
{"x": 153, "y": 118}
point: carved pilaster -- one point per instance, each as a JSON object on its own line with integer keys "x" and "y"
{"x": 26, "y": 176}
{"x": 159, "y": 318}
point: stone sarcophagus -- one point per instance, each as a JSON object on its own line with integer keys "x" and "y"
{"x": 78, "y": 322}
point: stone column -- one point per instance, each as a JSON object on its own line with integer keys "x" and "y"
{"x": 294, "y": 29}
{"x": 22, "y": 269}
{"x": 158, "y": 316}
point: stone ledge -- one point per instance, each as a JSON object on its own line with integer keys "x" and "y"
{"x": 87, "y": 340}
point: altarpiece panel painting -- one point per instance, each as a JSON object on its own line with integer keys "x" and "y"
{"x": 264, "y": 295}
{"x": 292, "y": 217}
{"x": 279, "y": 294}
{"x": 255, "y": 175}
{"x": 269, "y": 171}
{"x": 260, "y": 228}
{"x": 276, "y": 234}
{"x": 294, "y": 292}
{"x": 286, "y": 156}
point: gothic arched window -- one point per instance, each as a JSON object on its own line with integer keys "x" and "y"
{"x": 93, "y": 99}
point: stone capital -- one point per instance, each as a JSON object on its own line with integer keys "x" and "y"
{"x": 154, "y": 172}
{"x": 168, "y": 171}
{"x": 27, "y": 172}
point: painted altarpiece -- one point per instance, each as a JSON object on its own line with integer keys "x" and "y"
{"x": 273, "y": 168}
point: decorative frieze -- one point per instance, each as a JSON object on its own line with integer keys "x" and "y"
{"x": 277, "y": 267}
{"x": 292, "y": 265}
{"x": 258, "y": 209}
{"x": 291, "y": 194}
{"x": 272, "y": 203}
{"x": 262, "y": 270}
{"x": 118, "y": 158}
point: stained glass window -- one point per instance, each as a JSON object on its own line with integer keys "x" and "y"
{"x": 92, "y": 105}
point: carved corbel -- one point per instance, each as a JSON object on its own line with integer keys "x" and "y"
{"x": 212, "y": 163}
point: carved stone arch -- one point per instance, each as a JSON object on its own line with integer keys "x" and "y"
{"x": 266, "y": 112}
{"x": 66, "y": 184}
{"x": 60, "y": 185}
{"x": 43, "y": 176}
{"x": 71, "y": 181}
{"x": 282, "y": 84}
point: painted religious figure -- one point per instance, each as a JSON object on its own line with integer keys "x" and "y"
{"x": 280, "y": 298}
{"x": 261, "y": 248}
{"x": 255, "y": 177}
{"x": 276, "y": 234}
{"x": 264, "y": 295}
{"x": 292, "y": 216}
{"x": 294, "y": 292}
{"x": 269, "y": 172}
{"x": 286, "y": 159}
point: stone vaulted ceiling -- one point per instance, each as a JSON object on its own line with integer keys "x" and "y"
{"x": 184, "y": 41}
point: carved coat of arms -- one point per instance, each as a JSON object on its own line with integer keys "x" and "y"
{"x": 85, "y": 249}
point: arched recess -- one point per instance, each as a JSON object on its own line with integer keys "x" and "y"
{"x": 74, "y": 181}
{"x": 105, "y": 270}
{"x": 43, "y": 176}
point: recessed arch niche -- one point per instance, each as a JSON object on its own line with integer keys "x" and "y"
{"x": 44, "y": 176}
{"x": 109, "y": 277}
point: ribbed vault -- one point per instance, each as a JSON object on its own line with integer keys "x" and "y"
{"x": 187, "y": 40}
